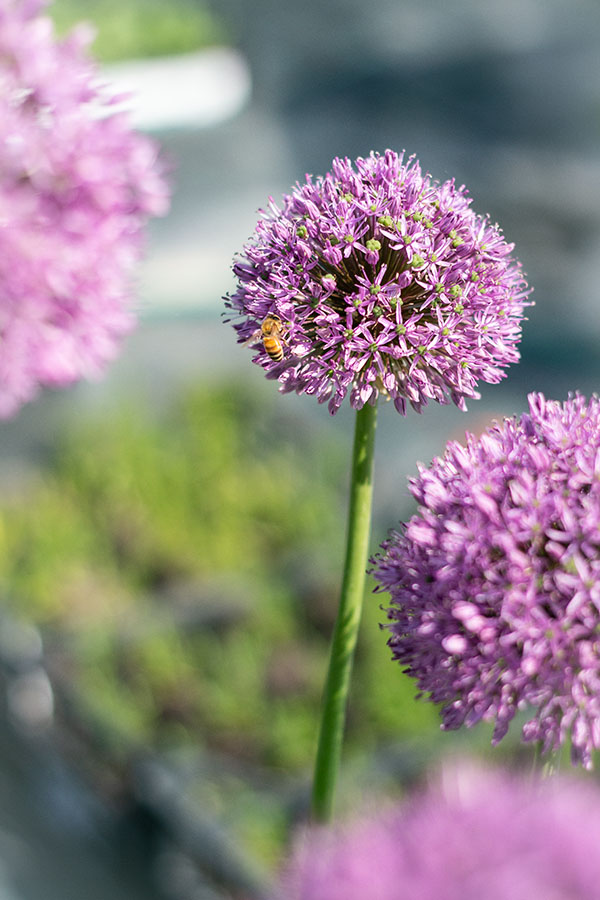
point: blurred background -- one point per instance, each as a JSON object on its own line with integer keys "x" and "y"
{"x": 171, "y": 537}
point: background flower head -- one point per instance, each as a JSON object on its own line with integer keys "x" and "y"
{"x": 474, "y": 834}
{"x": 76, "y": 189}
{"x": 495, "y": 583}
{"x": 387, "y": 282}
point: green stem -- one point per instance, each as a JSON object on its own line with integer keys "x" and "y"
{"x": 333, "y": 714}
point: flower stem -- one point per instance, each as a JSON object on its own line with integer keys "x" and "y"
{"x": 333, "y": 713}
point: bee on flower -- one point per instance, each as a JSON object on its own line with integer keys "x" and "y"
{"x": 388, "y": 283}
{"x": 272, "y": 330}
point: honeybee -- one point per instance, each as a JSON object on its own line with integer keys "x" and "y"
{"x": 271, "y": 332}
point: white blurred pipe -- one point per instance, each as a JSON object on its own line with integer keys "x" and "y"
{"x": 192, "y": 90}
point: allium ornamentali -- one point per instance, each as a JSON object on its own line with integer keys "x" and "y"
{"x": 77, "y": 187}
{"x": 495, "y": 583}
{"x": 385, "y": 282}
{"x": 472, "y": 835}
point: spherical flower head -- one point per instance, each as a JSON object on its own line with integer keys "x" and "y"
{"x": 473, "y": 835}
{"x": 385, "y": 282}
{"x": 495, "y": 583}
{"x": 77, "y": 186}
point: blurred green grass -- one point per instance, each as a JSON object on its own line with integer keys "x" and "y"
{"x": 183, "y": 568}
{"x": 132, "y": 29}
{"x": 189, "y": 563}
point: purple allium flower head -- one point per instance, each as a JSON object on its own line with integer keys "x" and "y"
{"x": 386, "y": 282}
{"x": 77, "y": 186}
{"x": 495, "y": 582}
{"x": 474, "y": 835}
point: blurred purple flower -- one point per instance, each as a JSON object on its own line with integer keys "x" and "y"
{"x": 495, "y": 583}
{"x": 76, "y": 189}
{"x": 474, "y": 835}
{"x": 386, "y": 282}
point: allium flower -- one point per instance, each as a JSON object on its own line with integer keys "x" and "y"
{"x": 495, "y": 583}
{"x": 76, "y": 188}
{"x": 476, "y": 835}
{"x": 385, "y": 281}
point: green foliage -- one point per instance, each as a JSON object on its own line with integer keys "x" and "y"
{"x": 129, "y": 29}
{"x": 187, "y": 565}
{"x": 390, "y": 712}
{"x": 193, "y": 560}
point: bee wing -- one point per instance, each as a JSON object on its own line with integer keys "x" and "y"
{"x": 255, "y": 338}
